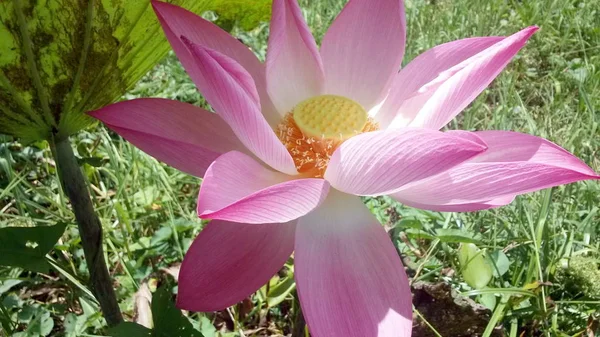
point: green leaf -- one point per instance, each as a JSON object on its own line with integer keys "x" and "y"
{"x": 146, "y": 196}
{"x": 168, "y": 320}
{"x": 475, "y": 268}
{"x": 161, "y": 235}
{"x": 92, "y": 161}
{"x": 129, "y": 329}
{"x": 71, "y": 325}
{"x": 488, "y": 300}
{"x": 418, "y": 234}
{"x": 39, "y": 322}
{"x": 247, "y": 14}
{"x": 278, "y": 293}
{"x": 26, "y": 247}
{"x": 61, "y": 59}
{"x": 7, "y": 284}
{"x": 207, "y": 328}
{"x": 6, "y": 322}
{"x": 41, "y": 325}
{"x": 409, "y": 223}
{"x": 12, "y": 301}
{"x": 26, "y": 315}
{"x": 500, "y": 262}
{"x": 455, "y": 235}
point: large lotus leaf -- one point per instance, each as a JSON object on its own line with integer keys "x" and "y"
{"x": 61, "y": 58}
{"x": 247, "y": 14}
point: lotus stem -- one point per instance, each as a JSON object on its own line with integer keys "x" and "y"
{"x": 90, "y": 228}
{"x": 299, "y": 324}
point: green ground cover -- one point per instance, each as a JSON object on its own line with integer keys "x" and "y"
{"x": 544, "y": 247}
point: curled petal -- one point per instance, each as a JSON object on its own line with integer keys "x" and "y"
{"x": 350, "y": 279}
{"x": 177, "y": 22}
{"x": 381, "y": 162}
{"x": 514, "y": 164}
{"x": 415, "y": 83}
{"x": 182, "y": 135}
{"x": 237, "y": 188}
{"x": 231, "y": 92}
{"x": 294, "y": 67}
{"x": 363, "y": 50}
{"x": 458, "y": 86}
{"x": 466, "y": 207}
{"x": 229, "y": 261}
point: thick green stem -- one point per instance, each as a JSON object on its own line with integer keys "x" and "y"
{"x": 300, "y": 323}
{"x": 90, "y": 228}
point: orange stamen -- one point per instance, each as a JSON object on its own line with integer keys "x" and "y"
{"x": 311, "y": 154}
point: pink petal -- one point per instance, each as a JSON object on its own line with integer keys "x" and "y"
{"x": 294, "y": 67}
{"x": 461, "y": 84}
{"x": 350, "y": 279}
{"x": 229, "y": 261}
{"x": 380, "y": 162}
{"x": 469, "y": 207}
{"x": 237, "y": 188}
{"x": 182, "y": 135}
{"x": 177, "y": 22}
{"x": 231, "y": 92}
{"x": 514, "y": 164}
{"x": 415, "y": 83}
{"x": 185, "y": 157}
{"x": 363, "y": 49}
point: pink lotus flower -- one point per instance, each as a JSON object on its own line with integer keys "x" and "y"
{"x": 295, "y": 141}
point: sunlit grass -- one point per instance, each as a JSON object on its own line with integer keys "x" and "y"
{"x": 551, "y": 89}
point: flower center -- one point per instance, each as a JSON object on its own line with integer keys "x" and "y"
{"x": 317, "y": 126}
{"x": 330, "y": 116}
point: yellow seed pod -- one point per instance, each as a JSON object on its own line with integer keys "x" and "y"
{"x": 330, "y": 116}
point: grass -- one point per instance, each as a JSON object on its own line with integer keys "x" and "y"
{"x": 546, "y": 286}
